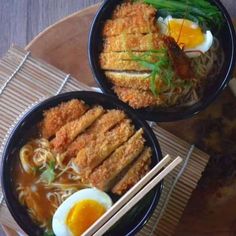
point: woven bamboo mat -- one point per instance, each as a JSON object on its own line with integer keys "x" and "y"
{"x": 25, "y": 80}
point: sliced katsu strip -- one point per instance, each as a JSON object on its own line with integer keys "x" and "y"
{"x": 123, "y": 61}
{"x": 135, "y": 173}
{"x": 180, "y": 61}
{"x": 107, "y": 121}
{"x": 138, "y": 98}
{"x": 100, "y": 126}
{"x": 129, "y": 80}
{"x": 134, "y": 9}
{"x": 103, "y": 176}
{"x": 72, "y": 129}
{"x": 133, "y": 80}
{"x": 80, "y": 142}
{"x": 58, "y": 116}
{"x": 129, "y": 25}
{"x": 99, "y": 149}
{"x": 133, "y": 42}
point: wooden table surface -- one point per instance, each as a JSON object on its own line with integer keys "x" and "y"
{"x": 22, "y": 20}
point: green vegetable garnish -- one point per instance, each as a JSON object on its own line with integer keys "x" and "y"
{"x": 36, "y": 169}
{"x": 159, "y": 63}
{"x": 48, "y": 175}
{"x": 201, "y": 10}
{"x": 48, "y": 233}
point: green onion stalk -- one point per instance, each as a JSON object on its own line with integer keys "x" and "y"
{"x": 158, "y": 62}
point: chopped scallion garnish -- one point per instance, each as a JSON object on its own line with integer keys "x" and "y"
{"x": 48, "y": 175}
{"x": 158, "y": 62}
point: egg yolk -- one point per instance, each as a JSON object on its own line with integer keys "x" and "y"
{"x": 84, "y": 214}
{"x": 186, "y": 33}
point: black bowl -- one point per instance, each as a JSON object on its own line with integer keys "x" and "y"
{"x": 226, "y": 37}
{"x": 133, "y": 220}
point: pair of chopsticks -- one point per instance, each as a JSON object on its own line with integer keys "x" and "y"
{"x": 136, "y": 193}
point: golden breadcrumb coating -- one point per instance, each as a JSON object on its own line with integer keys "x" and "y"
{"x": 80, "y": 142}
{"x": 99, "y": 149}
{"x": 135, "y": 173}
{"x": 107, "y": 121}
{"x": 134, "y": 9}
{"x": 105, "y": 173}
{"x": 101, "y": 125}
{"x": 122, "y": 61}
{"x": 133, "y": 80}
{"x": 58, "y": 116}
{"x": 72, "y": 129}
{"x": 138, "y": 98}
{"x": 131, "y": 18}
{"x": 133, "y": 42}
{"x": 129, "y": 25}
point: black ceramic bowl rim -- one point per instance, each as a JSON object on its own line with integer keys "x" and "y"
{"x": 152, "y": 115}
{"x": 97, "y": 98}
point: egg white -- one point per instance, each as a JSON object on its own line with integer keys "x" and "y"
{"x": 59, "y": 218}
{"x": 203, "y": 47}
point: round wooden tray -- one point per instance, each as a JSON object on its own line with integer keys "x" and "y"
{"x": 212, "y": 208}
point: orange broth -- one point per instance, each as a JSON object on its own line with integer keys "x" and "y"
{"x": 36, "y": 197}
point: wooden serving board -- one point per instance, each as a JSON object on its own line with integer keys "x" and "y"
{"x": 212, "y": 209}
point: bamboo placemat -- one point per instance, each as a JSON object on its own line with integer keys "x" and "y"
{"x": 25, "y": 80}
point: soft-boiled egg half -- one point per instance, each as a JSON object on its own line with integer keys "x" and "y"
{"x": 78, "y": 212}
{"x": 187, "y": 34}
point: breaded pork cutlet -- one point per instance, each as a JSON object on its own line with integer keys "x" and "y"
{"x": 133, "y": 42}
{"x": 100, "y": 126}
{"x": 134, "y": 9}
{"x": 103, "y": 176}
{"x": 132, "y": 25}
{"x": 71, "y": 130}
{"x": 138, "y": 98}
{"x": 131, "y": 18}
{"x": 123, "y": 61}
{"x": 134, "y": 80}
{"x": 129, "y": 80}
{"x": 58, "y": 116}
{"x": 139, "y": 169}
{"x": 99, "y": 149}
{"x": 129, "y": 25}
